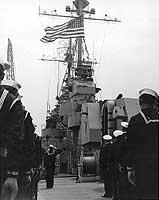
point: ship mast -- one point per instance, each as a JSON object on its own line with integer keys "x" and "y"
{"x": 80, "y": 5}
{"x": 79, "y": 9}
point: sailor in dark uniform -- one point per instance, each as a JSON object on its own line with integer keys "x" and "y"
{"x": 143, "y": 132}
{"x": 11, "y": 138}
{"x": 119, "y": 155}
{"x": 125, "y": 188}
{"x": 24, "y": 178}
{"x": 118, "y": 152}
{"x": 31, "y": 149}
{"x": 49, "y": 163}
{"x": 24, "y": 172}
{"x": 108, "y": 167}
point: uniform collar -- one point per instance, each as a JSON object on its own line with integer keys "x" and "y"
{"x": 148, "y": 118}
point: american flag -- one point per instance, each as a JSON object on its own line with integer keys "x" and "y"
{"x": 71, "y": 29}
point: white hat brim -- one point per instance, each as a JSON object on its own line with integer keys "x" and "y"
{"x": 124, "y": 124}
{"x": 148, "y": 92}
{"x": 117, "y": 133}
{"x": 107, "y": 137}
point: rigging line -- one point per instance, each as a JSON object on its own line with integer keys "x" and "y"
{"x": 86, "y": 47}
{"x": 48, "y": 97}
{"x": 93, "y": 54}
{"x": 48, "y": 103}
{"x": 102, "y": 44}
{"x": 96, "y": 84}
{"x": 58, "y": 76}
{"x": 100, "y": 57}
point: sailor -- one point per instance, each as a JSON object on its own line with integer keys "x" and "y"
{"x": 121, "y": 139}
{"x": 49, "y": 164}
{"x": 11, "y": 137}
{"x": 124, "y": 187}
{"x": 143, "y": 146}
{"x": 24, "y": 178}
{"x": 29, "y": 146}
{"x": 118, "y": 156}
{"x": 106, "y": 163}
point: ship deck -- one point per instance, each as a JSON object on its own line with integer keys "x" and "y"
{"x": 66, "y": 188}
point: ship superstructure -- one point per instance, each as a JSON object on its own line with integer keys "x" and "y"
{"x": 76, "y": 119}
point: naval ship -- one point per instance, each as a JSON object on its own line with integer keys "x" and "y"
{"x": 79, "y": 120}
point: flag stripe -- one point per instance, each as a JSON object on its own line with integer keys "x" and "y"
{"x": 68, "y": 35}
{"x": 45, "y": 39}
{"x": 64, "y": 36}
{"x": 73, "y": 28}
{"x": 49, "y": 29}
{"x": 49, "y": 34}
{"x": 56, "y": 27}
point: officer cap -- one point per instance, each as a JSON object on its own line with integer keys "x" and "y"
{"x": 149, "y": 92}
{"x": 124, "y": 124}
{"x": 11, "y": 83}
{"x": 107, "y": 137}
{"x": 117, "y": 133}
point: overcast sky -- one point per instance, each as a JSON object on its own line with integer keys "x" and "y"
{"x": 127, "y": 53}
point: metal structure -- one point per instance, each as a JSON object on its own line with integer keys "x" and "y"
{"x": 10, "y": 73}
{"x": 76, "y": 119}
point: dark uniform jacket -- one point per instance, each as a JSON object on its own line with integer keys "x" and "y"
{"x": 28, "y": 142}
{"x": 143, "y": 137}
{"x": 37, "y": 154}
{"x": 121, "y": 149}
{"x": 50, "y": 159}
{"x": 106, "y": 156}
{"x": 11, "y": 129}
{"x": 143, "y": 133}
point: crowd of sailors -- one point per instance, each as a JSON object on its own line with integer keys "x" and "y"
{"x": 128, "y": 159}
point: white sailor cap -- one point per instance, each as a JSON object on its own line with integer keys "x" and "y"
{"x": 124, "y": 124}
{"x": 107, "y": 137}
{"x": 11, "y": 83}
{"x": 117, "y": 133}
{"x": 4, "y": 65}
{"x": 149, "y": 92}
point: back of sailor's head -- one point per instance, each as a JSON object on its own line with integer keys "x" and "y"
{"x": 148, "y": 96}
{"x": 107, "y": 139}
{"x": 11, "y": 86}
{"x": 3, "y": 67}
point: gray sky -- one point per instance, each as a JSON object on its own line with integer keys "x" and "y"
{"x": 127, "y": 52}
